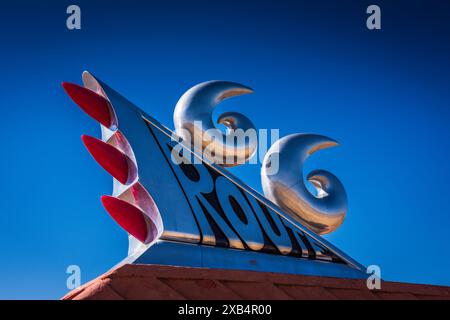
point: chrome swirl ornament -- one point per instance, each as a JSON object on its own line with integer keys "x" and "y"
{"x": 194, "y": 124}
{"x": 285, "y": 186}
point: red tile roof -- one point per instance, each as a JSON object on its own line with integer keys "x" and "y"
{"x": 169, "y": 282}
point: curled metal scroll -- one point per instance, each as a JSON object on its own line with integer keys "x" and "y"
{"x": 285, "y": 186}
{"x": 193, "y": 122}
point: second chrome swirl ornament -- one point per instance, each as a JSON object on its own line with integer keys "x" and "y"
{"x": 193, "y": 122}
{"x": 285, "y": 186}
{"x": 282, "y": 169}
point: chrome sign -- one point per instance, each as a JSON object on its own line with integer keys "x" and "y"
{"x": 196, "y": 213}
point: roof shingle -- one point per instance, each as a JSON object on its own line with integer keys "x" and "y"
{"x": 178, "y": 283}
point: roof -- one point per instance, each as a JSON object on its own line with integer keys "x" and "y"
{"x": 178, "y": 283}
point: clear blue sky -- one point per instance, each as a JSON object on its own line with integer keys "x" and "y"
{"x": 314, "y": 68}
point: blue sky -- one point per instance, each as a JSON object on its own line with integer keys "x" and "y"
{"x": 314, "y": 67}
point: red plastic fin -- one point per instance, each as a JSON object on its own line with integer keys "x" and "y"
{"x": 93, "y": 104}
{"x": 119, "y": 165}
{"x": 129, "y": 217}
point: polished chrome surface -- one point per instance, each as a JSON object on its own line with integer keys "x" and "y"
{"x": 194, "y": 123}
{"x": 91, "y": 83}
{"x": 204, "y": 204}
{"x": 196, "y": 256}
{"x": 202, "y": 186}
{"x": 322, "y": 213}
{"x": 154, "y": 174}
{"x": 271, "y": 206}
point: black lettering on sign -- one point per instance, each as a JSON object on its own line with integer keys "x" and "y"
{"x": 228, "y": 216}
